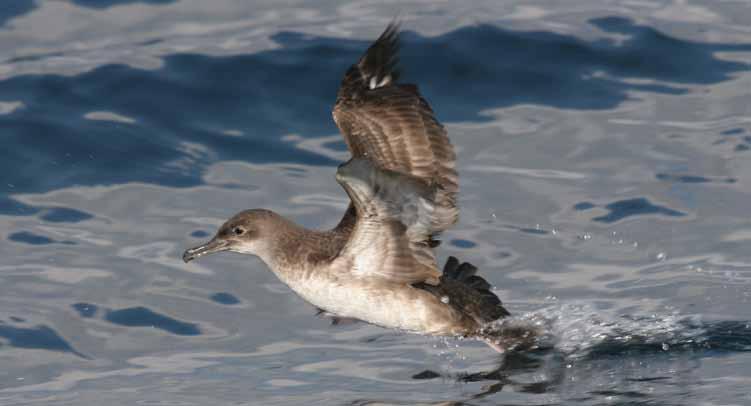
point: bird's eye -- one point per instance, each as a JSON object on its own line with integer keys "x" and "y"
{"x": 238, "y": 230}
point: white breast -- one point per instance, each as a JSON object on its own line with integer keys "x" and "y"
{"x": 379, "y": 303}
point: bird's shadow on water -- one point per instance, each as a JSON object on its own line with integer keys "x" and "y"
{"x": 241, "y": 107}
{"x": 606, "y": 358}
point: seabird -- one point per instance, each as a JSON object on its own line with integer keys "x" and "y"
{"x": 377, "y": 265}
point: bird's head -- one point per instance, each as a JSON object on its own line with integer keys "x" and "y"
{"x": 247, "y": 232}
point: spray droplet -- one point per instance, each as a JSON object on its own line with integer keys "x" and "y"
{"x": 444, "y": 299}
{"x": 665, "y": 346}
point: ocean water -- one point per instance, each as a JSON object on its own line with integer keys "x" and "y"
{"x": 604, "y": 151}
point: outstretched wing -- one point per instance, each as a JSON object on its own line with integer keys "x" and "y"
{"x": 394, "y": 127}
{"x": 394, "y": 216}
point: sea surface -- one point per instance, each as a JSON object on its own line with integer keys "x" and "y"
{"x": 604, "y": 151}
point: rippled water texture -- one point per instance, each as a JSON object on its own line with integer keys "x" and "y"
{"x": 605, "y": 161}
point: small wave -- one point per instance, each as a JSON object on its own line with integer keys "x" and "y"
{"x": 580, "y": 330}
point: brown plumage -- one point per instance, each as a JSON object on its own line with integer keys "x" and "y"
{"x": 392, "y": 125}
{"x": 377, "y": 264}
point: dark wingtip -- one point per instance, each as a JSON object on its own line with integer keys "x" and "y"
{"x": 384, "y": 50}
{"x": 465, "y": 273}
{"x": 460, "y": 271}
{"x": 381, "y": 58}
{"x": 451, "y": 266}
{"x": 378, "y": 65}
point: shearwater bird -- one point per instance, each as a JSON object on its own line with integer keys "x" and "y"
{"x": 377, "y": 265}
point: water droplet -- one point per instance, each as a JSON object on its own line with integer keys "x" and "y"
{"x": 661, "y": 256}
{"x": 444, "y": 299}
{"x": 665, "y": 346}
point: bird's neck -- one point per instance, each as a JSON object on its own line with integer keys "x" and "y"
{"x": 296, "y": 252}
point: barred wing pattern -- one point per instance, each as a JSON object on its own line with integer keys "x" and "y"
{"x": 394, "y": 127}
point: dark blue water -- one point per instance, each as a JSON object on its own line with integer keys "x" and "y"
{"x": 605, "y": 180}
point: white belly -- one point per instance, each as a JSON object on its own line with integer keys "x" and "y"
{"x": 384, "y": 304}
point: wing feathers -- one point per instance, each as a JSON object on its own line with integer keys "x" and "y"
{"x": 393, "y": 126}
{"x": 395, "y": 218}
{"x": 402, "y": 181}
{"x": 377, "y": 67}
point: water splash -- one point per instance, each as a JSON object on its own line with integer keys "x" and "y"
{"x": 578, "y": 330}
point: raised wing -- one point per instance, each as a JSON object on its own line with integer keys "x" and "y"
{"x": 390, "y": 238}
{"x": 394, "y": 127}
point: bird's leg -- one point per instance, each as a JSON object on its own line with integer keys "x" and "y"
{"x": 335, "y": 320}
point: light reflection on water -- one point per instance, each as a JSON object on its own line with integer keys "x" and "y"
{"x": 604, "y": 181}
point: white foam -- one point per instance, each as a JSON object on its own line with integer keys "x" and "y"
{"x": 576, "y": 328}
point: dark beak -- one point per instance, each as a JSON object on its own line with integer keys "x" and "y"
{"x": 205, "y": 249}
